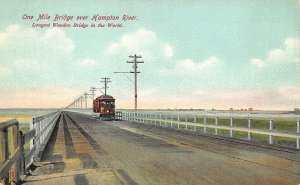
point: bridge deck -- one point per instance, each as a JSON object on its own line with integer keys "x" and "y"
{"x": 83, "y": 150}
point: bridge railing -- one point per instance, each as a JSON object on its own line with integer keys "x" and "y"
{"x": 41, "y": 129}
{"x": 10, "y": 152}
{"x": 14, "y": 161}
{"x": 118, "y": 115}
{"x": 217, "y": 125}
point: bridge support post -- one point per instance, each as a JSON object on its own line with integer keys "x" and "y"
{"x": 298, "y": 143}
{"x": 166, "y": 120}
{"x": 271, "y": 127}
{"x": 271, "y": 139}
{"x": 249, "y": 136}
{"x": 249, "y": 126}
{"x": 271, "y": 124}
{"x": 205, "y": 122}
{"x": 139, "y": 117}
{"x": 298, "y": 127}
{"x": 160, "y": 120}
{"x": 249, "y": 122}
{"x": 231, "y": 124}
{"x": 142, "y": 118}
{"x": 216, "y": 123}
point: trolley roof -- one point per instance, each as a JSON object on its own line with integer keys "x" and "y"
{"x": 105, "y": 96}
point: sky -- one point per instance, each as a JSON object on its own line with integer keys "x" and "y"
{"x": 197, "y": 54}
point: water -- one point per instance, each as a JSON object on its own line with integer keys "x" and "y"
{"x": 24, "y": 116}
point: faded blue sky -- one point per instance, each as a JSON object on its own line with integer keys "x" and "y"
{"x": 199, "y": 54}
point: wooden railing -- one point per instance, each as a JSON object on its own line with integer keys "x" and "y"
{"x": 196, "y": 122}
{"x": 10, "y": 152}
{"x": 14, "y": 161}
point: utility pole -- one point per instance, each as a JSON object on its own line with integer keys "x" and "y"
{"x": 135, "y": 62}
{"x": 106, "y": 80}
{"x": 135, "y": 72}
{"x": 85, "y": 96}
{"x": 93, "y": 89}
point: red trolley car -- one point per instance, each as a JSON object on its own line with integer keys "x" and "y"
{"x": 105, "y": 105}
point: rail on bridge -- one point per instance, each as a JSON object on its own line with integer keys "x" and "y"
{"x": 14, "y": 161}
{"x": 217, "y": 124}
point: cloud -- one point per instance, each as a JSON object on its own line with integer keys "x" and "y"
{"x": 142, "y": 42}
{"x": 189, "y": 65}
{"x": 56, "y": 38}
{"x": 29, "y": 64}
{"x": 257, "y": 62}
{"x": 30, "y": 54}
{"x": 19, "y": 40}
{"x": 168, "y": 50}
{"x": 86, "y": 63}
{"x": 289, "y": 53}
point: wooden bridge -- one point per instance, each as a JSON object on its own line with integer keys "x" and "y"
{"x": 75, "y": 148}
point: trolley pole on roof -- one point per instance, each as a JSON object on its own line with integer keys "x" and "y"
{"x": 106, "y": 80}
{"x": 135, "y": 72}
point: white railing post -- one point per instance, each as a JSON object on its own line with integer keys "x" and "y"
{"x": 186, "y": 119}
{"x": 166, "y": 120}
{"x": 249, "y": 126}
{"x": 298, "y": 127}
{"x": 31, "y": 126}
{"x": 159, "y": 119}
{"x": 298, "y": 143}
{"x": 231, "y": 125}
{"x": 216, "y": 123}
{"x": 154, "y": 119}
{"x": 271, "y": 127}
{"x": 205, "y": 122}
